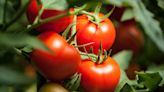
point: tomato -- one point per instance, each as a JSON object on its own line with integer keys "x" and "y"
{"x": 59, "y": 63}
{"x": 128, "y": 37}
{"x": 52, "y": 87}
{"x": 57, "y": 25}
{"x": 102, "y": 77}
{"x": 89, "y": 32}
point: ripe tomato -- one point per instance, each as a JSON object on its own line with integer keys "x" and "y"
{"x": 102, "y": 77}
{"x": 88, "y": 32}
{"x": 52, "y": 87}
{"x": 57, "y": 25}
{"x": 128, "y": 37}
{"x": 58, "y": 64}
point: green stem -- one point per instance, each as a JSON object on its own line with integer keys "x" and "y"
{"x": 47, "y": 20}
{"x": 94, "y": 18}
{"x": 68, "y": 13}
{"x": 17, "y": 16}
{"x": 39, "y": 15}
{"x": 98, "y": 7}
{"x": 108, "y": 14}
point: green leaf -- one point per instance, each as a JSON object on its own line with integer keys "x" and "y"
{"x": 149, "y": 80}
{"x": 123, "y": 58}
{"x": 123, "y": 80}
{"x": 161, "y": 3}
{"x": 9, "y": 76}
{"x": 127, "y": 88}
{"x": 20, "y": 39}
{"x": 128, "y": 14}
{"x": 55, "y": 4}
{"x": 160, "y": 69}
{"x": 9, "y": 11}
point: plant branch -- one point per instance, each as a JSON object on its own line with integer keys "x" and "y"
{"x": 68, "y": 13}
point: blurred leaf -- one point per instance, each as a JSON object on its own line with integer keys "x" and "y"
{"x": 55, "y": 4}
{"x": 145, "y": 18}
{"x": 9, "y": 76}
{"x": 123, "y": 80}
{"x": 128, "y": 14}
{"x": 123, "y": 58}
{"x": 161, "y": 3}
{"x": 149, "y": 80}
{"x": 160, "y": 69}
{"x": 5, "y": 88}
{"x": 9, "y": 11}
{"x": 20, "y": 39}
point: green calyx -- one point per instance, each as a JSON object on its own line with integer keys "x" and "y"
{"x": 94, "y": 17}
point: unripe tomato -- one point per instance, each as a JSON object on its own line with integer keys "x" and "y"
{"x": 52, "y": 87}
{"x": 102, "y": 77}
{"x": 88, "y": 32}
{"x": 58, "y": 25}
{"x": 128, "y": 37}
{"x": 59, "y": 63}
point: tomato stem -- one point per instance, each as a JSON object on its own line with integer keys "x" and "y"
{"x": 98, "y": 7}
{"x": 99, "y": 58}
{"x": 92, "y": 17}
{"x": 68, "y": 13}
{"x": 108, "y": 14}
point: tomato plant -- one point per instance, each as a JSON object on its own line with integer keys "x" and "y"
{"x": 58, "y": 64}
{"x": 89, "y": 32}
{"x": 52, "y": 87}
{"x": 58, "y": 25}
{"x": 128, "y": 37}
{"x": 102, "y": 77}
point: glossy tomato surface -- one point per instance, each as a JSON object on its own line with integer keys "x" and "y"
{"x": 102, "y": 77}
{"x": 89, "y": 32}
{"x": 58, "y": 25}
{"x": 128, "y": 37}
{"x": 59, "y": 63}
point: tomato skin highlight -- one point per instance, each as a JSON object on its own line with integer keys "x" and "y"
{"x": 102, "y": 77}
{"x": 58, "y": 25}
{"x": 58, "y": 64}
{"x": 88, "y": 32}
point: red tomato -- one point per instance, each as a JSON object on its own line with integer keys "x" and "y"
{"x": 102, "y": 77}
{"x": 58, "y": 64}
{"x": 57, "y": 25}
{"x": 88, "y": 32}
{"x": 128, "y": 37}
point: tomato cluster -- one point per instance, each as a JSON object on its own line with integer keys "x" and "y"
{"x": 63, "y": 60}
